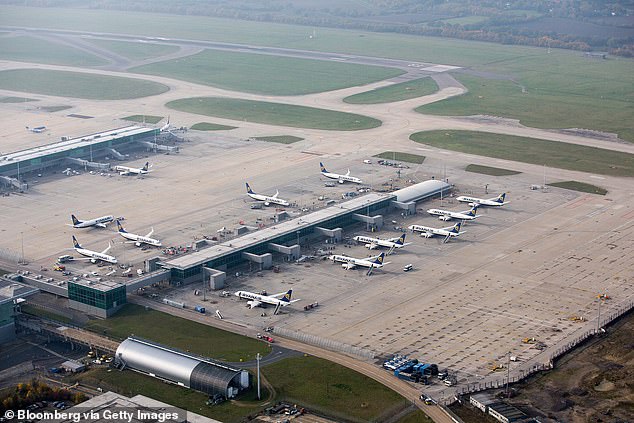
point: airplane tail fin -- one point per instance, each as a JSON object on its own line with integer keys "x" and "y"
{"x": 473, "y": 211}
{"x": 249, "y": 190}
{"x": 322, "y": 167}
{"x": 501, "y": 197}
{"x": 120, "y": 228}
{"x": 379, "y": 259}
{"x": 456, "y": 227}
{"x": 146, "y": 166}
{"x": 75, "y": 220}
{"x": 75, "y": 243}
{"x": 401, "y": 240}
{"x": 287, "y": 297}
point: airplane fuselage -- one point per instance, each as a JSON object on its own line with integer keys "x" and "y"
{"x": 124, "y": 170}
{"x": 378, "y": 241}
{"x": 342, "y": 178}
{"x": 354, "y": 261}
{"x": 433, "y": 231}
{"x": 446, "y": 214}
{"x": 481, "y": 201}
{"x": 267, "y": 199}
{"x": 141, "y": 239}
{"x": 97, "y": 256}
{"x": 100, "y": 221}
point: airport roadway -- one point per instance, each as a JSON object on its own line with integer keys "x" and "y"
{"x": 436, "y": 413}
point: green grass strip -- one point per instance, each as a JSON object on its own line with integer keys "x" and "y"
{"x": 488, "y": 170}
{"x": 16, "y": 99}
{"x": 274, "y": 113}
{"x": 206, "y": 126}
{"x": 395, "y": 92}
{"x": 38, "y": 50}
{"x": 531, "y": 150}
{"x": 332, "y": 389}
{"x": 580, "y": 186}
{"x": 266, "y": 74}
{"x": 135, "y": 51}
{"x": 179, "y": 333}
{"x": 402, "y": 157}
{"x": 144, "y": 119}
{"x": 77, "y": 85}
{"x": 281, "y": 139}
{"x": 46, "y": 314}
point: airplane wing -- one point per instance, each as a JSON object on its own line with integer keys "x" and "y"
{"x": 348, "y": 173}
{"x": 277, "y": 192}
{"x": 150, "y": 233}
{"x": 349, "y": 266}
{"x": 254, "y": 303}
{"x": 281, "y": 294}
{"x": 108, "y": 248}
{"x": 101, "y": 225}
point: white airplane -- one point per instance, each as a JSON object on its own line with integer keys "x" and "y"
{"x": 37, "y": 129}
{"x": 341, "y": 178}
{"x": 99, "y": 222}
{"x": 138, "y": 239}
{"x": 167, "y": 125}
{"x": 125, "y": 170}
{"x": 93, "y": 255}
{"x": 373, "y": 243}
{"x": 495, "y": 201}
{"x": 278, "y": 300}
{"x": 448, "y": 215}
{"x": 351, "y": 262}
{"x": 447, "y": 232}
{"x": 267, "y": 200}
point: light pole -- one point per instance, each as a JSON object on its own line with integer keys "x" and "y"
{"x": 257, "y": 359}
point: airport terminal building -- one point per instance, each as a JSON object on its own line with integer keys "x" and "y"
{"x": 208, "y": 263}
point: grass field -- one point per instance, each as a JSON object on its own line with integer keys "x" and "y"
{"x": 333, "y": 389}
{"x": 274, "y": 113}
{"x": 530, "y": 150}
{"x": 487, "y": 170}
{"x": 37, "y": 50}
{"x": 265, "y": 74}
{"x": 179, "y": 333}
{"x": 564, "y": 89}
{"x": 53, "y": 109}
{"x": 281, "y": 139}
{"x": 36, "y": 311}
{"x": 144, "y": 119}
{"x": 403, "y": 157}
{"x": 206, "y": 126}
{"x": 135, "y": 51}
{"x": 16, "y": 99}
{"x": 395, "y": 92}
{"x": 415, "y": 417}
{"x": 580, "y": 186}
{"x": 77, "y": 85}
{"x": 465, "y": 20}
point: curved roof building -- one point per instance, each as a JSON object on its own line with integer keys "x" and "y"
{"x": 421, "y": 191}
{"x": 181, "y": 368}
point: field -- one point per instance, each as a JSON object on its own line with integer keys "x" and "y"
{"x": 580, "y": 186}
{"x": 466, "y": 20}
{"x": 15, "y": 99}
{"x": 274, "y": 113}
{"x": 531, "y": 150}
{"x": 36, "y": 311}
{"x": 30, "y": 49}
{"x": 77, "y": 85}
{"x": 396, "y": 92}
{"x": 336, "y": 390}
{"x": 135, "y": 51}
{"x": 415, "y": 417}
{"x": 582, "y": 93}
{"x": 206, "y": 126}
{"x": 281, "y": 139}
{"x": 403, "y": 157}
{"x": 265, "y": 74}
{"x": 179, "y": 333}
{"x": 144, "y": 119}
{"x": 488, "y": 170}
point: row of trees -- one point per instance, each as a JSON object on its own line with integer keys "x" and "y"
{"x": 34, "y": 391}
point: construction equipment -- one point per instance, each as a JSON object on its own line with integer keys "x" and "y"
{"x": 529, "y": 341}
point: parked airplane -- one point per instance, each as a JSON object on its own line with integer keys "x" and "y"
{"x": 390, "y": 243}
{"x": 267, "y": 200}
{"x": 125, "y": 170}
{"x": 99, "y": 222}
{"x": 167, "y": 125}
{"x": 447, "y": 232}
{"x": 351, "y": 262}
{"x": 37, "y": 129}
{"x": 448, "y": 215}
{"x": 495, "y": 201}
{"x": 93, "y": 255}
{"x": 138, "y": 239}
{"x": 278, "y": 300}
{"x": 341, "y": 178}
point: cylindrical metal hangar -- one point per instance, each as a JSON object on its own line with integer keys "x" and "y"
{"x": 181, "y": 368}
